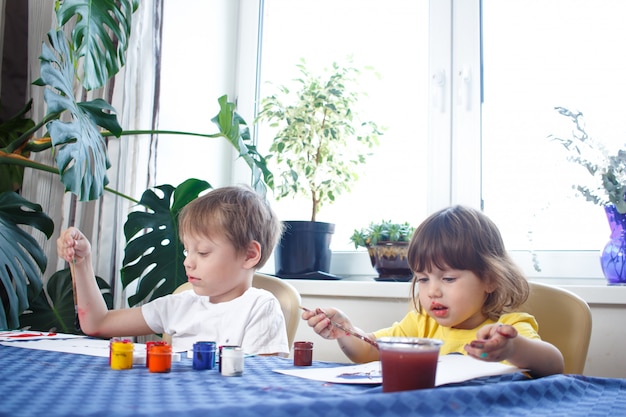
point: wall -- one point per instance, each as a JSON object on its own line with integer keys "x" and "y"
{"x": 373, "y": 305}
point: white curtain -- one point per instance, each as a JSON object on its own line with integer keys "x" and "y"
{"x": 134, "y": 94}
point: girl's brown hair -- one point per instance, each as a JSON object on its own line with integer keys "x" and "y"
{"x": 464, "y": 238}
{"x": 236, "y": 212}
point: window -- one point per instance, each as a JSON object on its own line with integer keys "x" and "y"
{"x": 392, "y": 37}
{"x": 569, "y": 56}
{"x": 468, "y": 91}
{"x": 489, "y": 92}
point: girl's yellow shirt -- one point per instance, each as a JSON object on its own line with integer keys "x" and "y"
{"x": 416, "y": 324}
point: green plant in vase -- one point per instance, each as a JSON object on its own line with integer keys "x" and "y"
{"x": 320, "y": 143}
{"x": 387, "y": 245}
{"x": 608, "y": 171}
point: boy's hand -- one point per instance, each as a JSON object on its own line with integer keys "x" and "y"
{"x": 73, "y": 246}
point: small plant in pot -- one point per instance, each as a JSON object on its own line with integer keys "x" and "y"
{"x": 318, "y": 146}
{"x": 387, "y": 244}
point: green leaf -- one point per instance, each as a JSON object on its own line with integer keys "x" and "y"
{"x": 100, "y": 35}
{"x": 22, "y": 261}
{"x": 235, "y": 130}
{"x": 96, "y": 110}
{"x": 16, "y": 125}
{"x": 81, "y": 154}
{"x": 153, "y": 253}
{"x": 11, "y": 176}
{"x": 318, "y": 135}
{"x": 53, "y": 310}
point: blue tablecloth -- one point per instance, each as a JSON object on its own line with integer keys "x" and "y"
{"x": 35, "y": 382}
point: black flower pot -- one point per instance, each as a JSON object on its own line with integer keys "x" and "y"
{"x": 304, "y": 250}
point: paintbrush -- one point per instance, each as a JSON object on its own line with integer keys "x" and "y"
{"x": 348, "y": 331}
{"x": 76, "y": 321}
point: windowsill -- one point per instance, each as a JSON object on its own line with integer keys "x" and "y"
{"x": 577, "y": 272}
{"x": 593, "y": 291}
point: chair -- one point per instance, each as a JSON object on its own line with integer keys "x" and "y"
{"x": 564, "y": 320}
{"x": 287, "y": 295}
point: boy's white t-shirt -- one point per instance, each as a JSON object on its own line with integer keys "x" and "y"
{"x": 253, "y": 321}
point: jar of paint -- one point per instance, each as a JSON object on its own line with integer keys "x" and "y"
{"x": 219, "y": 358}
{"x": 303, "y": 353}
{"x": 204, "y": 355}
{"x": 149, "y": 345}
{"x": 231, "y": 361}
{"x": 159, "y": 358}
{"x": 121, "y": 354}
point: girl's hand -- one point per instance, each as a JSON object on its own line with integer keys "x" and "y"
{"x": 320, "y": 320}
{"x": 493, "y": 343}
{"x": 73, "y": 246}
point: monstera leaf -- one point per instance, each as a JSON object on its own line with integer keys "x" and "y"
{"x": 100, "y": 35}
{"x": 234, "y": 128}
{"x": 81, "y": 154}
{"x": 11, "y": 176}
{"x": 53, "y": 309}
{"x": 153, "y": 253}
{"x": 22, "y": 261}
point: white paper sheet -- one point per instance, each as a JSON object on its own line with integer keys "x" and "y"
{"x": 450, "y": 369}
{"x": 81, "y": 345}
{"x": 17, "y": 335}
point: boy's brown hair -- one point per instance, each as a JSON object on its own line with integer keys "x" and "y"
{"x": 237, "y": 213}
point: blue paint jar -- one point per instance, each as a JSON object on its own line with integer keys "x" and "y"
{"x": 204, "y": 355}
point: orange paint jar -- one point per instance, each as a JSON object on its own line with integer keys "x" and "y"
{"x": 149, "y": 345}
{"x": 160, "y": 358}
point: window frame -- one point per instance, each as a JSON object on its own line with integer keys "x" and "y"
{"x": 454, "y": 131}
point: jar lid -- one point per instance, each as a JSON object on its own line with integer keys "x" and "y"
{"x": 160, "y": 349}
{"x": 232, "y": 352}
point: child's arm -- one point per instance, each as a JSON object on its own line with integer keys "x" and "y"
{"x": 94, "y": 317}
{"x": 497, "y": 342}
{"x": 354, "y": 348}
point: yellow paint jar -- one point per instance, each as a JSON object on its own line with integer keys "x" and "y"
{"x": 121, "y": 355}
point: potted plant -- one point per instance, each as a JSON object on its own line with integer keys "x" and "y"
{"x": 319, "y": 143}
{"x": 387, "y": 244}
{"x": 76, "y": 131}
{"x": 608, "y": 173}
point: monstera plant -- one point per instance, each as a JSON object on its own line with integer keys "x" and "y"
{"x": 76, "y": 132}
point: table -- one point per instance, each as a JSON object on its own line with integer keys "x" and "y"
{"x": 35, "y": 382}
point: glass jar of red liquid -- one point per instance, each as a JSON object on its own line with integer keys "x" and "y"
{"x": 408, "y": 362}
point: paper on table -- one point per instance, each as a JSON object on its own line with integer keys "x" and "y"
{"x": 450, "y": 369}
{"x": 83, "y": 346}
{"x": 17, "y": 335}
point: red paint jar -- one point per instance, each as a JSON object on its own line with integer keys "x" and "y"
{"x": 303, "y": 353}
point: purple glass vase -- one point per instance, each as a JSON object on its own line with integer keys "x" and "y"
{"x": 613, "y": 258}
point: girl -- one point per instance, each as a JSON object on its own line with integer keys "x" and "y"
{"x": 468, "y": 290}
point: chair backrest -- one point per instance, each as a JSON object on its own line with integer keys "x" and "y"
{"x": 287, "y": 295}
{"x": 564, "y": 320}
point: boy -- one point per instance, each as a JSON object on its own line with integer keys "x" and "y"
{"x": 227, "y": 234}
